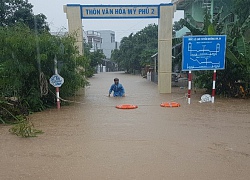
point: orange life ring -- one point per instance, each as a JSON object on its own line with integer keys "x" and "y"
{"x": 170, "y": 104}
{"x": 126, "y": 106}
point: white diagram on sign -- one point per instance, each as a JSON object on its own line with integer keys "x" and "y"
{"x": 203, "y": 56}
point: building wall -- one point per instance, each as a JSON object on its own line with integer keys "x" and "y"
{"x": 197, "y": 11}
{"x": 102, "y": 39}
{"x": 196, "y": 8}
{"x": 108, "y": 42}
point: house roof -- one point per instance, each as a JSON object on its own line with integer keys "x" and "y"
{"x": 182, "y": 32}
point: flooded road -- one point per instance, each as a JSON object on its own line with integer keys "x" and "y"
{"x": 92, "y": 140}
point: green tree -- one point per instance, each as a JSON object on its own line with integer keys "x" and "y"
{"x": 177, "y": 26}
{"x": 126, "y": 49}
{"x": 136, "y": 49}
{"x": 116, "y": 57}
{"x": 20, "y": 11}
{"x": 237, "y": 54}
{"x": 242, "y": 9}
{"x": 24, "y": 73}
{"x": 96, "y": 58}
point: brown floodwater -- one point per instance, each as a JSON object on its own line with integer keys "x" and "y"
{"x": 91, "y": 139}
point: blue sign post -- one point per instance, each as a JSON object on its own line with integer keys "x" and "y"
{"x": 203, "y": 53}
{"x": 56, "y": 80}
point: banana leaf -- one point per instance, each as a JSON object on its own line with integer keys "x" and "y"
{"x": 230, "y": 55}
{"x": 243, "y": 47}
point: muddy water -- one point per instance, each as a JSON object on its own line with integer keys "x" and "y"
{"x": 91, "y": 139}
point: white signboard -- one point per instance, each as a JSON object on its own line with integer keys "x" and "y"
{"x": 119, "y": 11}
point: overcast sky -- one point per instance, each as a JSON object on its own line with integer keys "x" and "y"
{"x": 53, "y": 10}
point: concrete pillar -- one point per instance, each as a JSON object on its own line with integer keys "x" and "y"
{"x": 212, "y": 10}
{"x": 73, "y": 14}
{"x": 75, "y": 25}
{"x": 165, "y": 48}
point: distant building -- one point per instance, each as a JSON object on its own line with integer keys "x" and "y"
{"x": 103, "y": 40}
{"x": 108, "y": 42}
{"x": 94, "y": 38}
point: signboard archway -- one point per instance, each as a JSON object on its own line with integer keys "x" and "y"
{"x": 164, "y": 12}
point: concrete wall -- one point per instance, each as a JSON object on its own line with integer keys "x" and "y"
{"x": 75, "y": 25}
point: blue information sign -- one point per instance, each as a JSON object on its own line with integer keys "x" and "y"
{"x": 203, "y": 52}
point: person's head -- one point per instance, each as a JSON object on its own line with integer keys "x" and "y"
{"x": 116, "y": 80}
